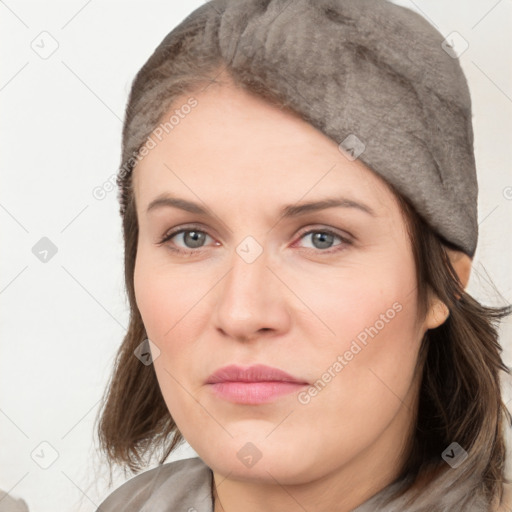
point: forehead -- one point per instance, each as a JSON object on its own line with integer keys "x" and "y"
{"x": 234, "y": 142}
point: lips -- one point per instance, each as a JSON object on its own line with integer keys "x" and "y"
{"x": 255, "y": 373}
{"x": 258, "y": 384}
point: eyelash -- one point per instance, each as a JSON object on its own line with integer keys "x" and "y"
{"x": 168, "y": 236}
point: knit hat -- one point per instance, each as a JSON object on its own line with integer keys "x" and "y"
{"x": 375, "y": 77}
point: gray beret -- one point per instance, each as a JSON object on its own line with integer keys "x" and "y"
{"x": 373, "y": 76}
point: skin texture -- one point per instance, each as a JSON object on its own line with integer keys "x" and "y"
{"x": 296, "y": 307}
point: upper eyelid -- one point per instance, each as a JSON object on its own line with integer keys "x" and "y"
{"x": 178, "y": 230}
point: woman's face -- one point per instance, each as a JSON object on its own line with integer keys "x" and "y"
{"x": 327, "y": 295}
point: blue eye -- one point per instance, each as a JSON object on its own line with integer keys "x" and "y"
{"x": 323, "y": 239}
{"x": 194, "y": 238}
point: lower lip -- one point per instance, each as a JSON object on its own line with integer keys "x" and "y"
{"x": 254, "y": 392}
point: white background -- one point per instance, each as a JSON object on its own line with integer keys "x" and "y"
{"x": 61, "y": 119}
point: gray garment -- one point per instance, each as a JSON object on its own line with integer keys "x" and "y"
{"x": 9, "y": 503}
{"x": 186, "y": 486}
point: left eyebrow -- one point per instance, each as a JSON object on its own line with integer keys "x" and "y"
{"x": 287, "y": 211}
{"x": 335, "y": 202}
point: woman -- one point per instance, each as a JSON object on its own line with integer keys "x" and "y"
{"x": 299, "y": 202}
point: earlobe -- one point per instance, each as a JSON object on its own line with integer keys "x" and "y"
{"x": 437, "y": 314}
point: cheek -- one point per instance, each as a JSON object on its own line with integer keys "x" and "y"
{"x": 360, "y": 301}
{"x": 165, "y": 297}
{"x": 370, "y": 338}
{"x": 153, "y": 304}
{"x": 373, "y": 317}
{"x": 169, "y": 304}
{"x": 173, "y": 303}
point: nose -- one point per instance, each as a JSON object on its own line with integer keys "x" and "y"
{"x": 252, "y": 300}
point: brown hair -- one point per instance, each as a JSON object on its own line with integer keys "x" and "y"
{"x": 460, "y": 397}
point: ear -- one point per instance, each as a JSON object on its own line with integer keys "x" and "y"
{"x": 461, "y": 263}
{"x": 438, "y": 312}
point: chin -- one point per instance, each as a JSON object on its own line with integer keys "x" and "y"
{"x": 261, "y": 461}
